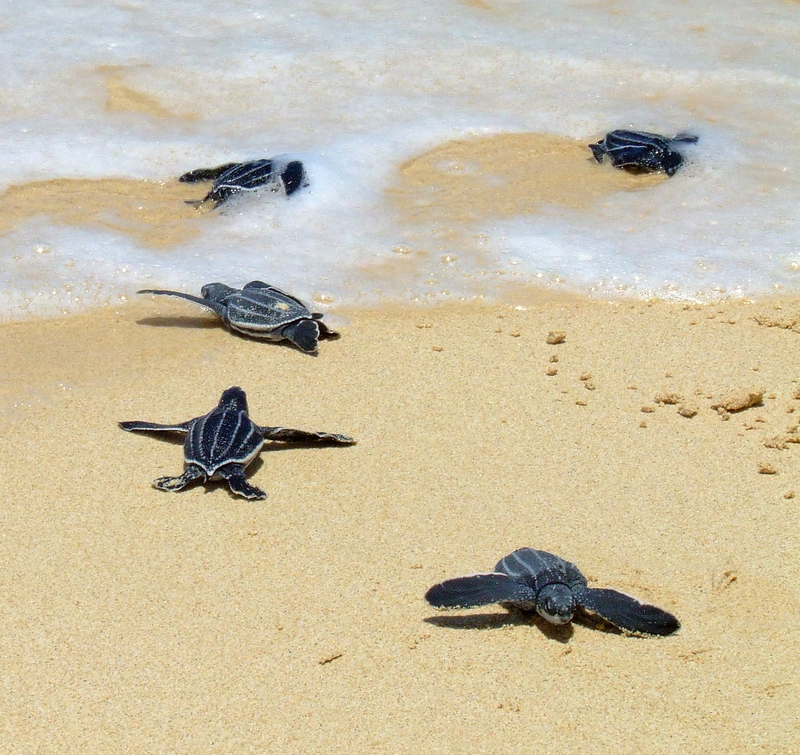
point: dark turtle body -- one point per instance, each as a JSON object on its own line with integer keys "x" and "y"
{"x": 261, "y": 311}
{"x": 232, "y": 178}
{"x": 539, "y": 581}
{"x": 641, "y": 152}
{"x": 224, "y": 441}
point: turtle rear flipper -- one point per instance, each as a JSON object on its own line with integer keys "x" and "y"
{"x": 479, "y": 590}
{"x": 233, "y": 474}
{"x": 304, "y": 334}
{"x": 626, "y": 612}
{"x": 147, "y": 427}
{"x": 205, "y": 174}
{"x": 192, "y": 473}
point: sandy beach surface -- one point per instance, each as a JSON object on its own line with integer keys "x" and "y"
{"x": 143, "y": 621}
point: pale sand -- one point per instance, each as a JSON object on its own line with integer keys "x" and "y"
{"x": 134, "y": 620}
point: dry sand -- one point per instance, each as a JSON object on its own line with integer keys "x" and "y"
{"x": 134, "y": 620}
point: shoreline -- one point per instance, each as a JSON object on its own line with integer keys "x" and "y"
{"x": 146, "y": 620}
{"x": 470, "y": 215}
{"x": 507, "y": 292}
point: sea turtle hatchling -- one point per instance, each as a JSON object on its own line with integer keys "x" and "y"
{"x": 224, "y": 441}
{"x": 261, "y": 311}
{"x": 233, "y": 178}
{"x": 640, "y": 152}
{"x": 538, "y": 581}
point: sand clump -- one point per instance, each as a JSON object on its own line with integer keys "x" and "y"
{"x": 738, "y": 400}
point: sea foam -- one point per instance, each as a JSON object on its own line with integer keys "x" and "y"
{"x": 147, "y": 91}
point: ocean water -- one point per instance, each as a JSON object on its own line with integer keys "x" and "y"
{"x": 144, "y": 91}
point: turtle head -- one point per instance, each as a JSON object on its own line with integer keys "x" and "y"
{"x": 216, "y": 291}
{"x": 234, "y": 398}
{"x": 556, "y": 603}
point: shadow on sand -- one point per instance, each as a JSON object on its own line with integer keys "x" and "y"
{"x": 515, "y": 617}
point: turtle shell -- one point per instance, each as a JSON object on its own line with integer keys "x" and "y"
{"x": 625, "y": 138}
{"x": 273, "y": 174}
{"x": 223, "y": 436}
{"x": 641, "y": 151}
{"x": 537, "y": 569}
{"x": 260, "y": 310}
{"x": 242, "y": 177}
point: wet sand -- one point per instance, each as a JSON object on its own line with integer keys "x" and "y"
{"x": 134, "y": 619}
{"x": 506, "y": 175}
{"x": 441, "y": 197}
{"x": 154, "y": 213}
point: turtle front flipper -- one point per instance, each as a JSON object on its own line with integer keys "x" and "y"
{"x": 258, "y": 286}
{"x": 234, "y": 476}
{"x": 174, "y": 484}
{"x": 289, "y": 435}
{"x": 206, "y": 174}
{"x": 304, "y": 334}
{"x": 479, "y": 590}
{"x": 147, "y": 427}
{"x": 198, "y": 203}
{"x": 686, "y": 138}
{"x": 209, "y": 303}
{"x": 625, "y": 612}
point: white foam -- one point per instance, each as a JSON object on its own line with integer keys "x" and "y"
{"x": 353, "y": 90}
